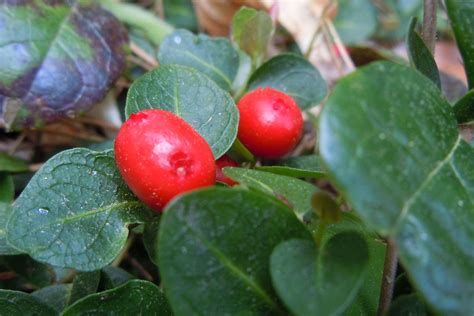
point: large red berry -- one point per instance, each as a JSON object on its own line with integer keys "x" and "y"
{"x": 223, "y": 162}
{"x": 270, "y": 124}
{"x": 160, "y": 156}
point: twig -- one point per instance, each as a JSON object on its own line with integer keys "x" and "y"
{"x": 16, "y": 143}
{"x": 319, "y": 26}
{"x": 388, "y": 277}
{"x": 340, "y": 46}
{"x": 137, "y": 50}
{"x": 134, "y": 262}
{"x": 429, "y": 24}
{"x": 140, "y": 62}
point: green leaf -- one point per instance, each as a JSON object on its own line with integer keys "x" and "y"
{"x": 35, "y": 273}
{"x": 56, "y": 59}
{"x": 291, "y": 172}
{"x": 252, "y": 30}
{"x": 192, "y": 96}
{"x": 319, "y": 282}
{"x": 300, "y": 167}
{"x": 420, "y": 56}
{"x": 19, "y": 303}
{"x": 464, "y": 108}
{"x": 228, "y": 235}
{"x": 75, "y": 211}
{"x": 56, "y": 296}
{"x": 7, "y": 191}
{"x": 150, "y": 240}
{"x": 114, "y": 277}
{"x": 12, "y": 164}
{"x": 5, "y": 249}
{"x": 296, "y": 191}
{"x": 407, "y": 305}
{"x": 461, "y": 16}
{"x": 391, "y": 145}
{"x": 85, "y": 283}
{"x": 356, "y": 20}
{"x": 136, "y": 297}
{"x": 181, "y": 14}
{"x": 215, "y": 57}
{"x": 293, "y": 75}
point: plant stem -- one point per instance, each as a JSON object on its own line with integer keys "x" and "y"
{"x": 388, "y": 277}
{"x": 429, "y": 24}
{"x": 154, "y": 27}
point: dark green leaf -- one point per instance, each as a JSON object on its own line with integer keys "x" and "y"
{"x": 56, "y": 59}
{"x": 296, "y": 191}
{"x": 75, "y": 211}
{"x": 5, "y": 249}
{"x": 301, "y": 166}
{"x": 11, "y": 164}
{"x": 85, "y": 283}
{"x": 214, "y": 57}
{"x": 293, "y": 75}
{"x": 136, "y": 297}
{"x": 228, "y": 235}
{"x": 19, "y": 303}
{"x": 407, "y": 305}
{"x": 114, "y": 277}
{"x": 34, "y": 273}
{"x": 150, "y": 240}
{"x": 291, "y": 172}
{"x": 7, "y": 191}
{"x": 420, "y": 56}
{"x": 319, "y": 282}
{"x": 356, "y": 20}
{"x": 461, "y": 15}
{"x": 192, "y": 96}
{"x": 180, "y": 13}
{"x": 464, "y": 108}
{"x": 56, "y": 296}
{"x": 391, "y": 145}
{"x": 251, "y": 30}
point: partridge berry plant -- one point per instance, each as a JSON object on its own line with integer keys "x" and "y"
{"x": 382, "y": 179}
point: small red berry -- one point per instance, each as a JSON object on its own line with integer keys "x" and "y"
{"x": 160, "y": 156}
{"x": 270, "y": 124}
{"x": 223, "y": 162}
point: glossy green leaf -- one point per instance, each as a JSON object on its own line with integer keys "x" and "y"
{"x": 461, "y": 16}
{"x": 192, "y": 96}
{"x": 7, "y": 189}
{"x": 464, "y": 108}
{"x": 252, "y": 30}
{"x": 56, "y": 59}
{"x": 85, "y": 283}
{"x": 56, "y": 296}
{"x": 391, "y": 145}
{"x": 114, "y": 277}
{"x": 136, "y": 297}
{"x": 75, "y": 211}
{"x": 407, "y": 305}
{"x": 228, "y": 235}
{"x": 313, "y": 281}
{"x": 297, "y": 192}
{"x": 356, "y": 20}
{"x": 215, "y": 57}
{"x": 35, "y": 273}
{"x": 5, "y": 211}
{"x": 12, "y": 164}
{"x": 308, "y": 166}
{"x": 19, "y": 303}
{"x": 293, "y": 75}
{"x": 420, "y": 56}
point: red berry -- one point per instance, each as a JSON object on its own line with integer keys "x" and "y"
{"x": 160, "y": 156}
{"x": 270, "y": 124}
{"x": 223, "y": 162}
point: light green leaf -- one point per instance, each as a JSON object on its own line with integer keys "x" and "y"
{"x": 192, "y": 96}
{"x": 75, "y": 211}
{"x": 12, "y": 164}
{"x": 391, "y": 145}
{"x": 228, "y": 235}
{"x": 297, "y": 192}
{"x": 293, "y": 75}
{"x": 215, "y": 57}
